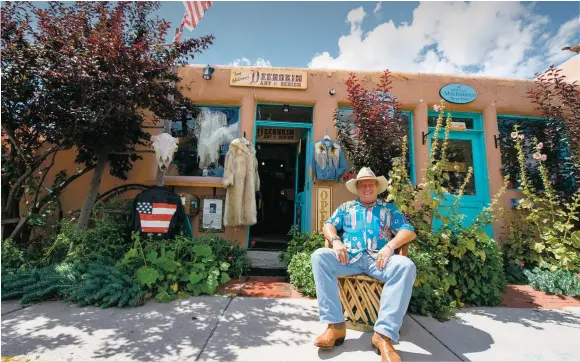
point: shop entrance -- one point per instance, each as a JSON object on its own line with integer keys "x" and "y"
{"x": 282, "y": 166}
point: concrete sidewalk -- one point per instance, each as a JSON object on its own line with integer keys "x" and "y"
{"x": 251, "y": 329}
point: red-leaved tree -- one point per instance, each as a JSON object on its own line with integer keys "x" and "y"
{"x": 374, "y": 139}
{"x": 104, "y": 64}
{"x": 558, "y": 100}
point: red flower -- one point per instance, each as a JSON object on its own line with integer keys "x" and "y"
{"x": 522, "y": 264}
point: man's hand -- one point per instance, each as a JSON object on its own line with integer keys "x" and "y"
{"x": 340, "y": 251}
{"x": 383, "y": 256}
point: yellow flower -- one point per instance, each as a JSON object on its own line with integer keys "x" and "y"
{"x": 174, "y": 288}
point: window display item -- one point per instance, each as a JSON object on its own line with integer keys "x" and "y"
{"x": 329, "y": 161}
{"x": 158, "y": 213}
{"x": 242, "y": 181}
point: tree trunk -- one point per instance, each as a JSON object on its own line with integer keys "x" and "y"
{"x": 93, "y": 191}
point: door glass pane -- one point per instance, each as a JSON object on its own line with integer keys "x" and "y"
{"x": 432, "y": 121}
{"x": 460, "y": 157}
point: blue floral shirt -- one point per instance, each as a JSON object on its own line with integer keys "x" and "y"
{"x": 367, "y": 229}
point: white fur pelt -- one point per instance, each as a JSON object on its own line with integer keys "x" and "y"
{"x": 242, "y": 181}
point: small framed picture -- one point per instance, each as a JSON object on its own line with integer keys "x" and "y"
{"x": 211, "y": 218}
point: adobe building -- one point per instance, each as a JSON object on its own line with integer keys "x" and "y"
{"x": 283, "y": 112}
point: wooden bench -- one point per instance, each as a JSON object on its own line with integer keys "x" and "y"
{"x": 360, "y": 297}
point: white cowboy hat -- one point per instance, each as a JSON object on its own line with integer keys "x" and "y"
{"x": 366, "y": 173}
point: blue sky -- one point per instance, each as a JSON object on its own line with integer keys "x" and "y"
{"x": 509, "y": 39}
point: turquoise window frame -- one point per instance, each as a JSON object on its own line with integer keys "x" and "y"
{"x": 566, "y": 146}
{"x": 411, "y": 143}
{"x": 309, "y": 127}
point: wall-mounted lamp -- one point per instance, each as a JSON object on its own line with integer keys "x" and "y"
{"x": 424, "y": 136}
{"x": 207, "y": 72}
{"x": 495, "y": 140}
{"x": 332, "y": 92}
{"x": 286, "y": 108}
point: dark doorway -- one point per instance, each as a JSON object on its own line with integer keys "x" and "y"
{"x": 277, "y": 170}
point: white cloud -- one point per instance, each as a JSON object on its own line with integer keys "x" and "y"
{"x": 245, "y": 62}
{"x": 491, "y": 38}
{"x": 378, "y": 7}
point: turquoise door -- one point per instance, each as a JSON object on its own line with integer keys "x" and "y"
{"x": 302, "y": 189}
{"x": 466, "y": 149}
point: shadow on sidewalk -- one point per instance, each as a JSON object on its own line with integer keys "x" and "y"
{"x": 532, "y": 318}
{"x": 57, "y": 331}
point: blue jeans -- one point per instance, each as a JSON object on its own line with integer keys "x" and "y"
{"x": 399, "y": 276}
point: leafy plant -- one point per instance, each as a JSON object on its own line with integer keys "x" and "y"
{"x": 559, "y": 282}
{"x": 12, "y": 256}
{"x": 302, "y": 242}
{"x": 555, "y": 242}
{"x": 300, "y": 271}
{"x": 106, "y": 238}
{"x": 175, "y": 268}
{"x": 104, "y": 286}
{"x": 231, "y": 252}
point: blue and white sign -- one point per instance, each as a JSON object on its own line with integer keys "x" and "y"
{"x": 458, "y": 93}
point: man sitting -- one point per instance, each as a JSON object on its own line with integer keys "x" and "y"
{"x": 372, "y": 231}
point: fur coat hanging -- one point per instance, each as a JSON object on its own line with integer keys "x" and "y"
{"x": 242, "y": 182}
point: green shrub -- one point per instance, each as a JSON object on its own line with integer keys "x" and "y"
{"x": 431, "y": 290}
{"x": 302, "y": 242}
{"x": 301, "y": 277}
{"x": 175, "y": 268}
{"x": 35, "y": 285}
{"x": 555, "y": 239}
{"x": 12, "y": 256}
{"x": 231, "y": 252}
{"x": 559, "y": 282}
{"x": 479, "y": 279}
{"x": 518, "y": 244}
{"x": 103, "y": 285}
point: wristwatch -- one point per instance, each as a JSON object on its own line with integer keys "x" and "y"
{"x": 334, "y": 238}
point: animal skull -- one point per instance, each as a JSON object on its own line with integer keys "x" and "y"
{"x": 165, "y": 146}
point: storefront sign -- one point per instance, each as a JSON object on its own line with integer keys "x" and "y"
{"x": 458, "y": 126}
{"x": 268, "y": 78}
{"x": 277, "y": 134}
{"x": 458, "y": 93}
{"x": 323, "y": 205}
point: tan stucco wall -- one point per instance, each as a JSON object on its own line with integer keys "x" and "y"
{"x": 416, "y": 92}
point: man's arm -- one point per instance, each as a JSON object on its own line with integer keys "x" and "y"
{"x": 331, "y": 234}
{"x": 405, "y": 233}
{"x": 403, "y": 237}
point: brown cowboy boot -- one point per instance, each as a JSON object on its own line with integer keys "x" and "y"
{"x": 382, "y": 345}
{"x": 332, "y": 336}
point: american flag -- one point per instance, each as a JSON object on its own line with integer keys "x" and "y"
{"x": 155, "y": 217}
{"x": 194, "y": 11}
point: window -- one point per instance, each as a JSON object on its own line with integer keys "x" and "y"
{"x": 469, "y": 124}
{"x": 346, "y": 114}
{"x": 284, "y": 113}
{"x": 203, "y": 141}
{"x": 559, "y": 163}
